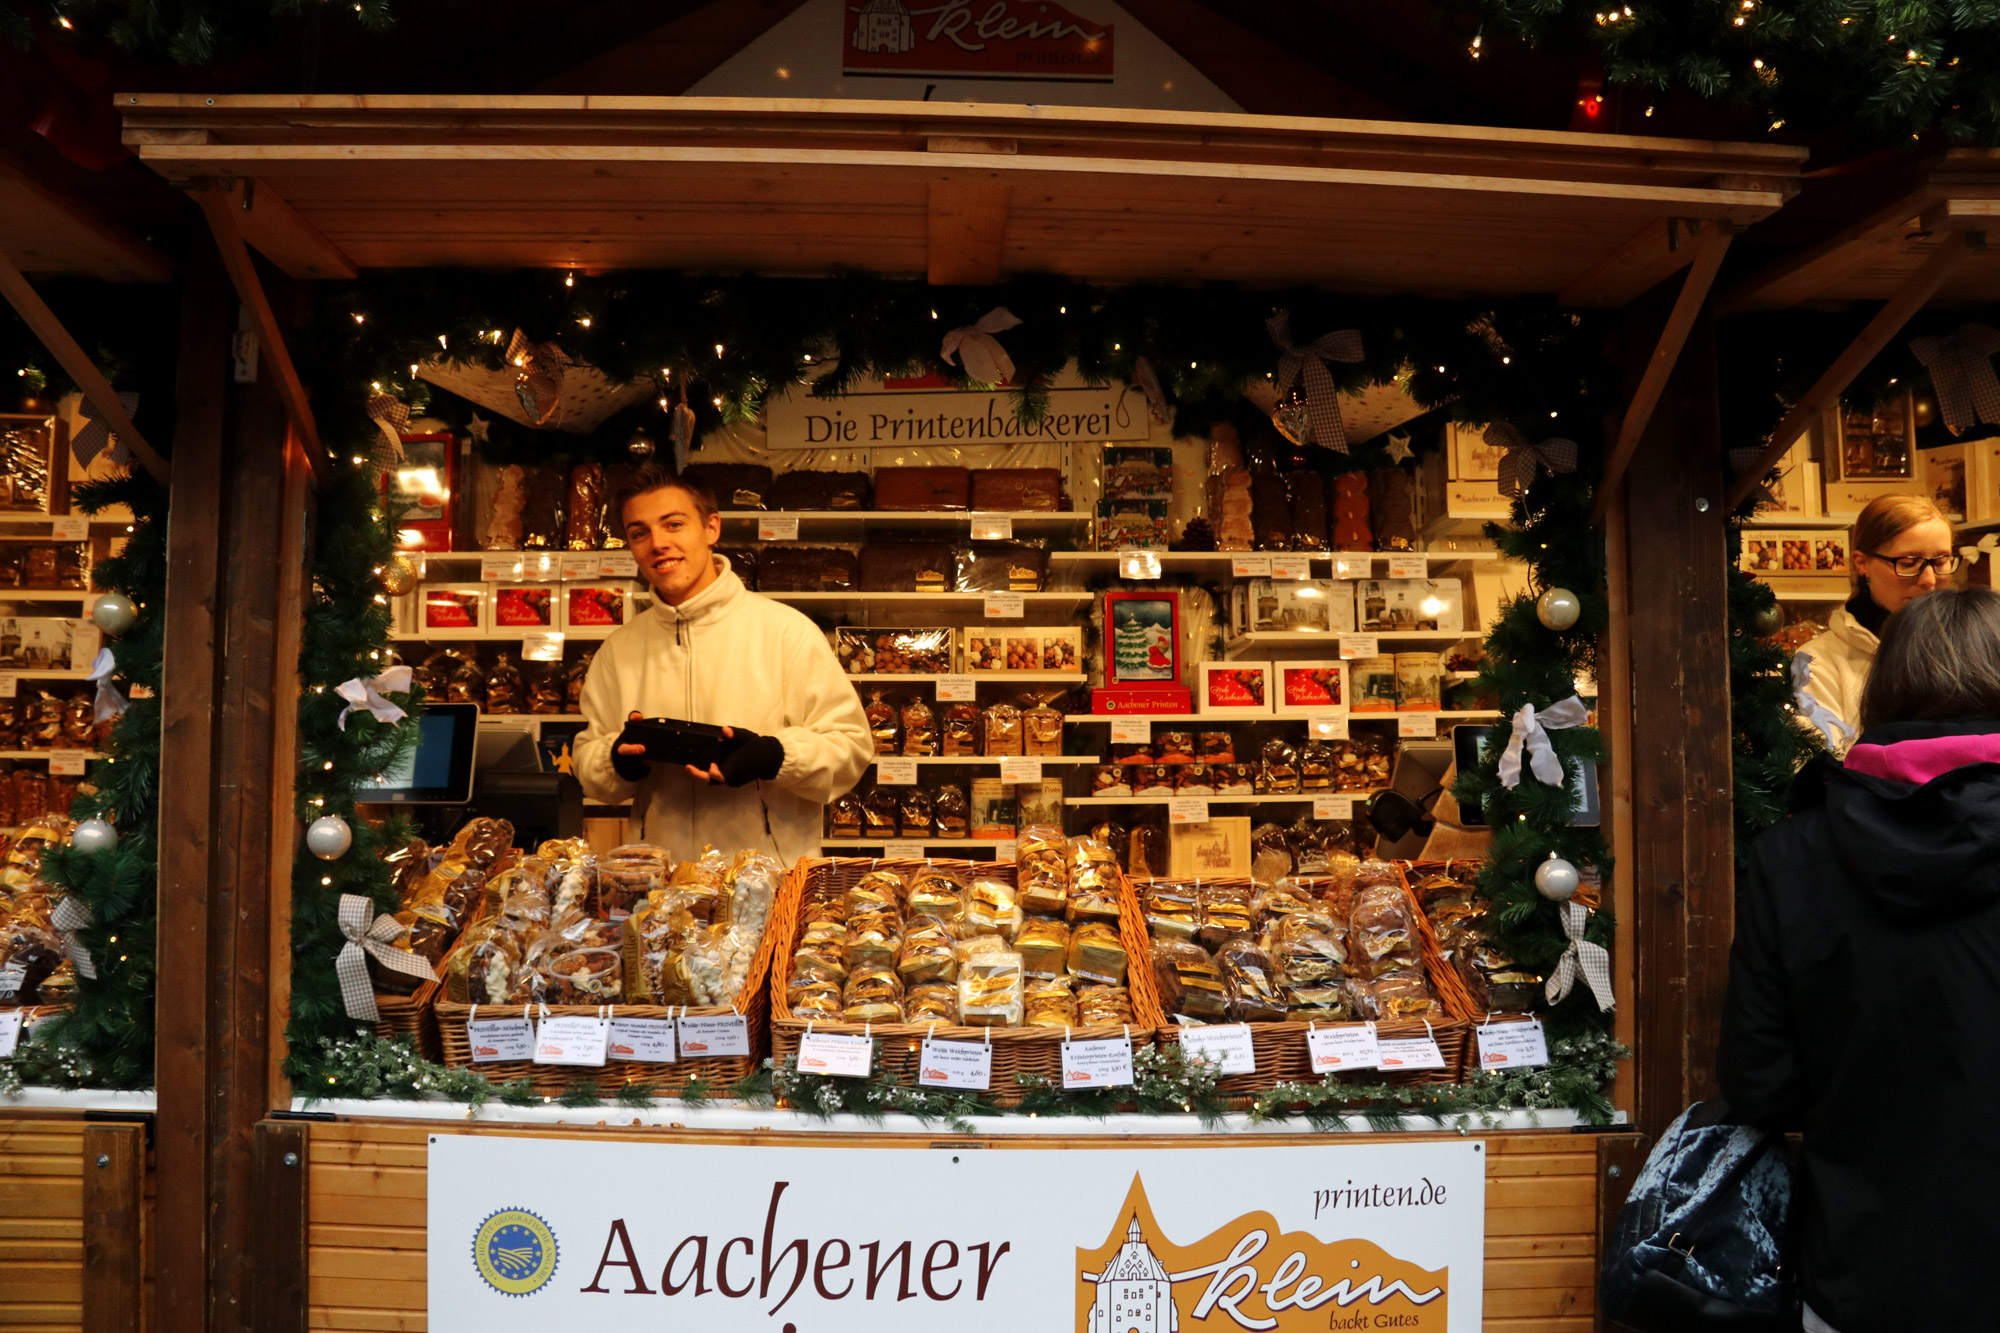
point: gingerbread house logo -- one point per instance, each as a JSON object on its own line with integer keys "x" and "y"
{"x": 883, "y": 26}
{"x": 1247, "y": 1274}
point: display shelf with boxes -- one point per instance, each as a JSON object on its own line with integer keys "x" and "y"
{"x": 1272, "y": 798}
{"x": 889, "y": 519}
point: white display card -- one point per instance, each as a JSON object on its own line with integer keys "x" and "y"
{"x": 650, "y": 1039}
{"x": 840, "y": 1057}
{"x": 955, "y": 1064}
{"x": 1226, "y": 1045}
{"x": 499, "y": 1039}
{"x": 1413, "y": 1053}
{"x": 1336, "y": 1050}
{"x": 724, "y": 1034}
{"x": 572, "y": 1039}
{"x": 1512, "y": 1045}
{"x": 1097, "y": 1064}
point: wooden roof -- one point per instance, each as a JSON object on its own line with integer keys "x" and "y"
{"x": 1864, "y": 235}
{"x": 49, "y": 233}
{"x": 962, "y": 192}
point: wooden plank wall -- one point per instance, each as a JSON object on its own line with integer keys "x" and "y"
{"x": 367, "y": 1201}
{"x": 41, "y": 1226}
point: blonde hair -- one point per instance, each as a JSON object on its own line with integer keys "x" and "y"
{"x": 1888, "y": 517}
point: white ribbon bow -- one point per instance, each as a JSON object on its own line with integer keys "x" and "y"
{"x": 1531, "y": 732}
{"x": 1592, "y": 960}
{"x": 69, "y": 918}
{"x": 680, "y": 429}
{"x": 1816, "y": 712}
{"x": 367, "y": 695}
{"x": 984, "y": 359}
{"x": 363, "y": 939}
{"x": 109, "y": 702}
{"x": 1308, "y": 363}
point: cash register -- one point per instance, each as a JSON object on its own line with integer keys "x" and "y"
{"x": 464, "y": 766}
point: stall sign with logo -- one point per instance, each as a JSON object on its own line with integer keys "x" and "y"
{"x": 974, "y": 39}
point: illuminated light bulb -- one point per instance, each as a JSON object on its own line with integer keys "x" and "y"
{"x": 584, "y": 320}
{"x": 329, "y": 765}
{"x": 718, "y": 351}
{"x": 357, "y": 463}
{"x": 1506, "y": 360}
{"x": 1756, "y": 64}
{"x": 718, "y": 402}
{"x": 569, "y": 279}
{"x": 361, "y": 319}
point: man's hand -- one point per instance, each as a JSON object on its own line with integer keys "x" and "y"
{"x": 746, "y": 757}
{"x": 629, "y": 760}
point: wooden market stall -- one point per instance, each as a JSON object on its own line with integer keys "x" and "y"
{"x": 321, "y": 1224}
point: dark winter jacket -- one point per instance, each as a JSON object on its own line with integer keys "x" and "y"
{"x": 1864, "y": 1010}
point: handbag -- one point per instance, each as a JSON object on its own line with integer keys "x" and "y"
{"x": 1699, "y": 1243}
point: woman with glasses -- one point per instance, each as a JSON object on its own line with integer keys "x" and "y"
{"x": 1899, "y": 548}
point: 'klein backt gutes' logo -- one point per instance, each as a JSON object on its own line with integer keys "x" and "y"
{"x": 1247, "y": 1275}
{"x": 974, "y": 39}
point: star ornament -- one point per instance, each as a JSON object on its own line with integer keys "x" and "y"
{"x": 477, "y": 428}
{"x": 1399, "y": 448}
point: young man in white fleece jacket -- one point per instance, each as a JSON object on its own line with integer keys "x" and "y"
{"x": 712, "y": 651}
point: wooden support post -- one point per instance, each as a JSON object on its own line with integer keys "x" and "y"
{"x": 1683, "y": 826}
{"x": 114, "y": 1196}
{"x": 1619, "y": 1158}
{"x": 278, "y": 1296}
{"x": 218, "y": 205}
{"x": 42, "y": 322}
{"x": 1709, "y": 252}
{"x": 1888, "y": 322}
{"x": 1614, "y": 705}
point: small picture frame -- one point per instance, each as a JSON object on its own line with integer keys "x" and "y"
{"x": 525, "y": 606}
{"x": 420, "y": 487}
{"x": 1472, "y": 458}
{"x": 1305, "y": 689}
{"x": 452, "y": 608}
{"x": 595, "y": 607}
{"x": 1142, "y": 633}
{"x": 1795, "y": 553}
{"x": 1235, "y": 689}
{"x": 1945, "y": 478}
{"x": 32, "y": 446}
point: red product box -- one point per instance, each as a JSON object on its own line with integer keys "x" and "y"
{"x": 530, "y": 608}
{"x": 1138, "y": 699}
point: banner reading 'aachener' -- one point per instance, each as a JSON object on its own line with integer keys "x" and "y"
{"x": 539, "y": 1234}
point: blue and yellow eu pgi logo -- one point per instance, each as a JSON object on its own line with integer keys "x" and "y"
{"x": 515, "y": 1252}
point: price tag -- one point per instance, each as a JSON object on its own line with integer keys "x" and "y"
{"x": 723, "y": 1035}
{"x": 617, "y": 565}
{"x": 572, "y": 1039}
{"x": 1414, "y": 1053}
{"x": 957, "y": 689}
{"x": 67, "y": 763}
{"x": 1097, "y": 1064}
{"x": 778, "y": 528}
{"x": 1187, "y": 809}
{"x": 579, "y": 564}
{"x": 891, "y": 772}
{"x": 499, "y": 568}
{"x": 541, "y": 566}
{"x": 842, "y": 1057}
{"x": 499, "y": 1039}
{"x": 10, "y": 1032}
{"x": 1138, "y": 564}
{"x": 955, "y": 1064}
{"x": 1359, "y": 645}
{"x": 1295, "y": 567}
{"x": 84, "y": 642}
{"x": 1351, "y": 566}
{"x": 1007, "y": 849}
{"x": 1335, "y": 1050}
{"x": 1015, "y": 770}
{"x": 542, "y": 646}
{"x": 1416, "y": 726}
{"x": 1006, "y": 606}
{"x": 1409, "y": 567}
{"x": 1512, "y": 1045}
{"x": 70, "y": 528}
{"x": 1131, "y": 731}
{"x": 1225, "y": 1045}
{"x": 1250, "y": 566}
{"x": 1327, "y": 726}
{"x": 10, "y": 682}
{"x": 644, "y": 1039}
{"x": 992, "y": 528}
{"x": 1333, "y": 807}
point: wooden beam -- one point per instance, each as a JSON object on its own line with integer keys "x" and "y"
{"x": 43, "y": 230}
{"x": 114, "y": 1181}
{"x": 294, "y": 578}
{"x": 1806, "y": 272}
{"x": 1709, "y": 251}
{"x": 1614, "y": 701}
{"x": 279, "y": 1183}
{"x": 1657, "y": 251}
{"x": 42, "y": 322}
{"x": 220, "y": 210}
{"x": 1955, "y": 248}
{"x": 968, "y": 224}
{"x": 275, "y": 229}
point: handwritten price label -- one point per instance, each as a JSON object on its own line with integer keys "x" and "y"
{"x": 1187, "y": 809}
{"x": 1014, "y": 771}
{"x": 69, "y": 528}
{"x": 839, "y": 1057}
{"x": 494, "y": 1039}
{"x": 1296, "y": 568}
{"x": 957, "y": 689}
{"x": 1409, "y": 567}
{"x": 1131, "y": 731}
{"x": 992, "y": 528}
{"x": 956, "y": 1064}
{"x": 572, "y": 1039}
{"x": 1339, "y": 808}
{"x": 1250, "y": 566}
{"x": 1097, "y": 1064}
{"x": 1328, "y": 726}
{"x": 1224, "y": 1045}
{"x": 1416, "y": 726}
{"x": 1336, "y": 1050}
{"x": 650, "y": 1039}
{"x": 895, "y": 772}
{"x": 1512, "y": 1045}
{"x": 777, "y": 528}
{"x": 1006, "y": 606}
{"x": 1359, "y": 645}
{"x": 704, "y": 1037}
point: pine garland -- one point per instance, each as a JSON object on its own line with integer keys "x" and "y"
{"x": 1767, "y": 744}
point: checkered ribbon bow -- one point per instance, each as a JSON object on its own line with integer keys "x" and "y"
{"x": 89, "y": 442}
{"x": 984, "y": 359}
{"x": 368, "y": 696}
{"x": 1815, "y": 712}
{"x": 539, "y": 384}
{"x": 1592, "y": 960}
{"x": 109, "y": 702}
{"x": 69, "y": 918}
{"x": 1961, "y": 366}
{"x": 1308, "y": 364}
{"x": 364, "y": 940}
{"x": 1147, "y": 381}
{"x": 1517, "y": 469}
{"x": 1531, "y": 733}
{"x": 391, "y": 416}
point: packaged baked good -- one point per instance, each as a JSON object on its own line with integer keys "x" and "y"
{"x": 467, "y": 685}
{"x": 886, "y": 652}
{"x": 1306, "y": 948}
{"x": 1109, "y": 780}
{"x": 814, "y": 1000}
{"x": 1001, "y": 566}
{"x": 1235, "y": 779}
{"x": 936, "y": 892}
{"x": 916, "y": 813}
{"x": 1041, "y": 727}
{"x": 1171, "y": 908}
{"x": 920, "y": 735}
{"x": 959, "y": 728}
{"x": 951, "y": 812}
{"x": 926, "y": 953}
{"x": 1215, "y": 747}
{"x": 1278, "y": 773}
{"x": 873, "y": 994}
{"x": 1097, "y": 954}
{"x": 1152, "y": 779}
{"x": 583, "y": 976}
{"x": 1195, "y": 780}
{"x": 876, "y": 891}
{"x": 821, "y": 953}
{"x": 1398, "y": 994}
{"x": 1041, "y": 858}
{"x": 991, "y": 906}
{"x": 1173, "y": 746}
{"x": 1380, "y": 935}
{"x": 1043, "y": 944}
{"x": 1049, "y": 1002}
{"x": 1283, "y": 896}
{"x": 1226, "y": 910}
{"x": 990, "y": 989}
{"x": 1100, "y": 1006}
{"x": 1316, "y": 766}
{"x": 1270, "y": 854}
{"x": 1190, "y": 982}
{"x": 881, "y": 813}
{"x": 1248, "y": 978}
{"x": 1004, "y": 735}
{"x": 1146, "y": 853}
{"x": 844, "y": 816}
{"x": 573, "y": 682}
{"x": 807, "y": 569}
{"x": 545, "y": 690}
{"x": 884, "y": 722}
{"x": 931, "y": 1002}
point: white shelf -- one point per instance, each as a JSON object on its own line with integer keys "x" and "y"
{"x": 26, "y": 673}
{"x": 1827, "y": 598}
{"x": 909, "y": 844}
{"x": 887, "y": 517}
{"x": 47, "y": 595}
{"x": 9, "y": 522}
{"x": 503, "y": 634}
{"x": 991, "y": 760}
{"x": 1227, "y": 558}
{"x": 44, "y": 754}
{"x": 1075, "y": 597}
{"x": 1220, "y": 799}
{"x": 1777, "y": 524}
{"x": 983, "y": 677}
{"x": 1211, "y": 719}
{"x": 1290, "y": 638}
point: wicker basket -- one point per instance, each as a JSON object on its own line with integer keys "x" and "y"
{"x": 413, "y": 1015}
{"x": 1284, "y": 1057}
{"x": 1016, "y": 1051}
{"x": 720, "y": 1073}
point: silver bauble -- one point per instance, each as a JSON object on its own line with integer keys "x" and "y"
{"x": 1558, "y": 608}
{"x": 93, "y": 836}
{"x": 328, "y": 837}
{"x": 1767, "y": 620}
{"x": 1556, "y": 879}
{"x": 113, "y": 613}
